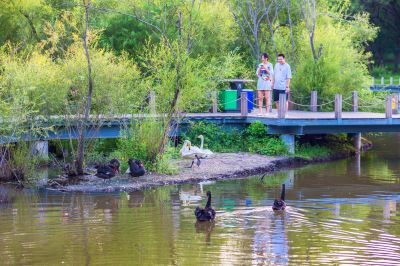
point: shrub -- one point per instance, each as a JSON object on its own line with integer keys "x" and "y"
{"x": 268, "y": 146}
{"x": 19, "y": 163}
{"x": 215, "y": 137}
{"x": 253, "y": 138}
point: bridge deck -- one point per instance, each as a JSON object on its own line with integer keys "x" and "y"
{"x": 298, "y": 115}
{"x": 296, "y": 122}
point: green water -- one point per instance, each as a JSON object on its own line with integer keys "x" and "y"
{"x": 339, "y": 213}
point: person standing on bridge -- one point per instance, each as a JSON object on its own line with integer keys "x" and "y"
{"x": 264, "y": 73}
{"x": 281, "y": 80}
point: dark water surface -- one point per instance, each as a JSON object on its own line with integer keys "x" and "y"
{"x": 339, "y": 213}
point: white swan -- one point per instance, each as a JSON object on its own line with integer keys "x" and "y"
{"x": 207, "y": 153}
{"x": 191, "y": 152}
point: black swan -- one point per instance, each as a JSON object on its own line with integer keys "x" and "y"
{"x": 115, "y": 163}
{"x": 107, "y": 171}
{"x": 136, "y": 168}
{"x": 206, "y": 214}
{"x": 279, "y": 204}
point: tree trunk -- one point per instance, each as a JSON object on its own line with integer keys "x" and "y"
{"x": 172, "y": 111}
{"x": 288, "y": 3}
{"x": 88, "y": 103}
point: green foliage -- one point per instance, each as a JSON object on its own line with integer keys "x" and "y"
{"x": 258, "y": 141}
{"x": 268, "y": 146}
{"x": 383, "y": 71}
{"x": 215, "y": 137}
{"x": 341, "y": 67}
{"x": 256, "y": 130}
{"x": 198, "y": 76}
{"x": 309, "y": 151}
{"x": 22, "y": 164}
{"x": 311, "y": 147}
{"x": 141, "y": 142}
{"x": 254, "y": 138}
{"x": 386, "y": 15}
{"x": 47, "y": 83}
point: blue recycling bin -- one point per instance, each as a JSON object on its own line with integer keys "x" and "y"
{"x": 250, "y": 98}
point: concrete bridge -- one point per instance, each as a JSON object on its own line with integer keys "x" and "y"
{"x": 287, "y": 124}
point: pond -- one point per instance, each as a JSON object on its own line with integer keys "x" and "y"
{"x": 343, "y": 212}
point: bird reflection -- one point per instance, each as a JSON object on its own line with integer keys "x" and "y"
{"x": 205, "y": 227}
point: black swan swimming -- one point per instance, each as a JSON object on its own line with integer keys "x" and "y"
{"x": 206, "y": 214}
{"x": 279, "y": 204}
{"x": 107, "y": 171}
{"x": 136, "y": 168}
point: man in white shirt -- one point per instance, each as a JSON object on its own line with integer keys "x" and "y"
{"x": 281, "y": 80}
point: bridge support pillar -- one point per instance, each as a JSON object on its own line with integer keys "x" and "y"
{"x": 288, "y": 139}
{"x": 40, "y": 148}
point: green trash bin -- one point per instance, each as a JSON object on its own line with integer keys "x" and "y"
{"x": 228, "y": 99}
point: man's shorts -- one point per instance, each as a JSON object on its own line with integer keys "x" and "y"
{"x": 275, "y": 94}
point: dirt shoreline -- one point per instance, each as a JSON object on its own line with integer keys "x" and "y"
{"x": 222, "y": 166}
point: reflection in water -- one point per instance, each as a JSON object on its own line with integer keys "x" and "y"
{"x": 205, "y": 227}
{"x": 270, "y": 240}
{"x": 343, "y": 212}
{"x": 389, "y": 209}
{"x": 336, "y": 211}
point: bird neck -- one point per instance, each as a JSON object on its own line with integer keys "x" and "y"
{"x": 208, "y": 204}
{"x": 283, "y": 192}
{"x": 202, "y": 143}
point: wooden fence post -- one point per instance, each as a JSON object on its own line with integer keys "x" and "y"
{"x": 389, "y": 106}
{"x": 282, "y": 105}
{"x": 355, "y": 101}
{"x": 391, "y": 80}
{"x": 152, "y": 102}
{"x": 314, "y": 101}
{"x": 338, "y": 106}
{"x": 269, "y": 102}
{"x": 382, "y": 81}
{"x": 396, "y": 103}
{"x": 214, "y": 99}
{"x": 244, "y": 111}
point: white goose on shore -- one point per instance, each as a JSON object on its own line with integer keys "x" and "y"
{"x": 206, "y": 152}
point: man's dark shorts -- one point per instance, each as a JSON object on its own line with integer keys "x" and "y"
{"x": 275, "y": 94}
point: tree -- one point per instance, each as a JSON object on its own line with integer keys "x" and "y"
{"x": 386, "y": 15}
{"x": 249, "y": 15}
{"x": 308, "y": 8}
{"x": 88, "y": 101}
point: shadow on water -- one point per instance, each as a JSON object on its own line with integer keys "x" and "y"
{"x": 344, "y": 212}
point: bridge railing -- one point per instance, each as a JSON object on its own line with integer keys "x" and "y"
{"x": 352, "y": 102}
{"x": 383, "y": 81}
{"x": 393, "y": 85}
